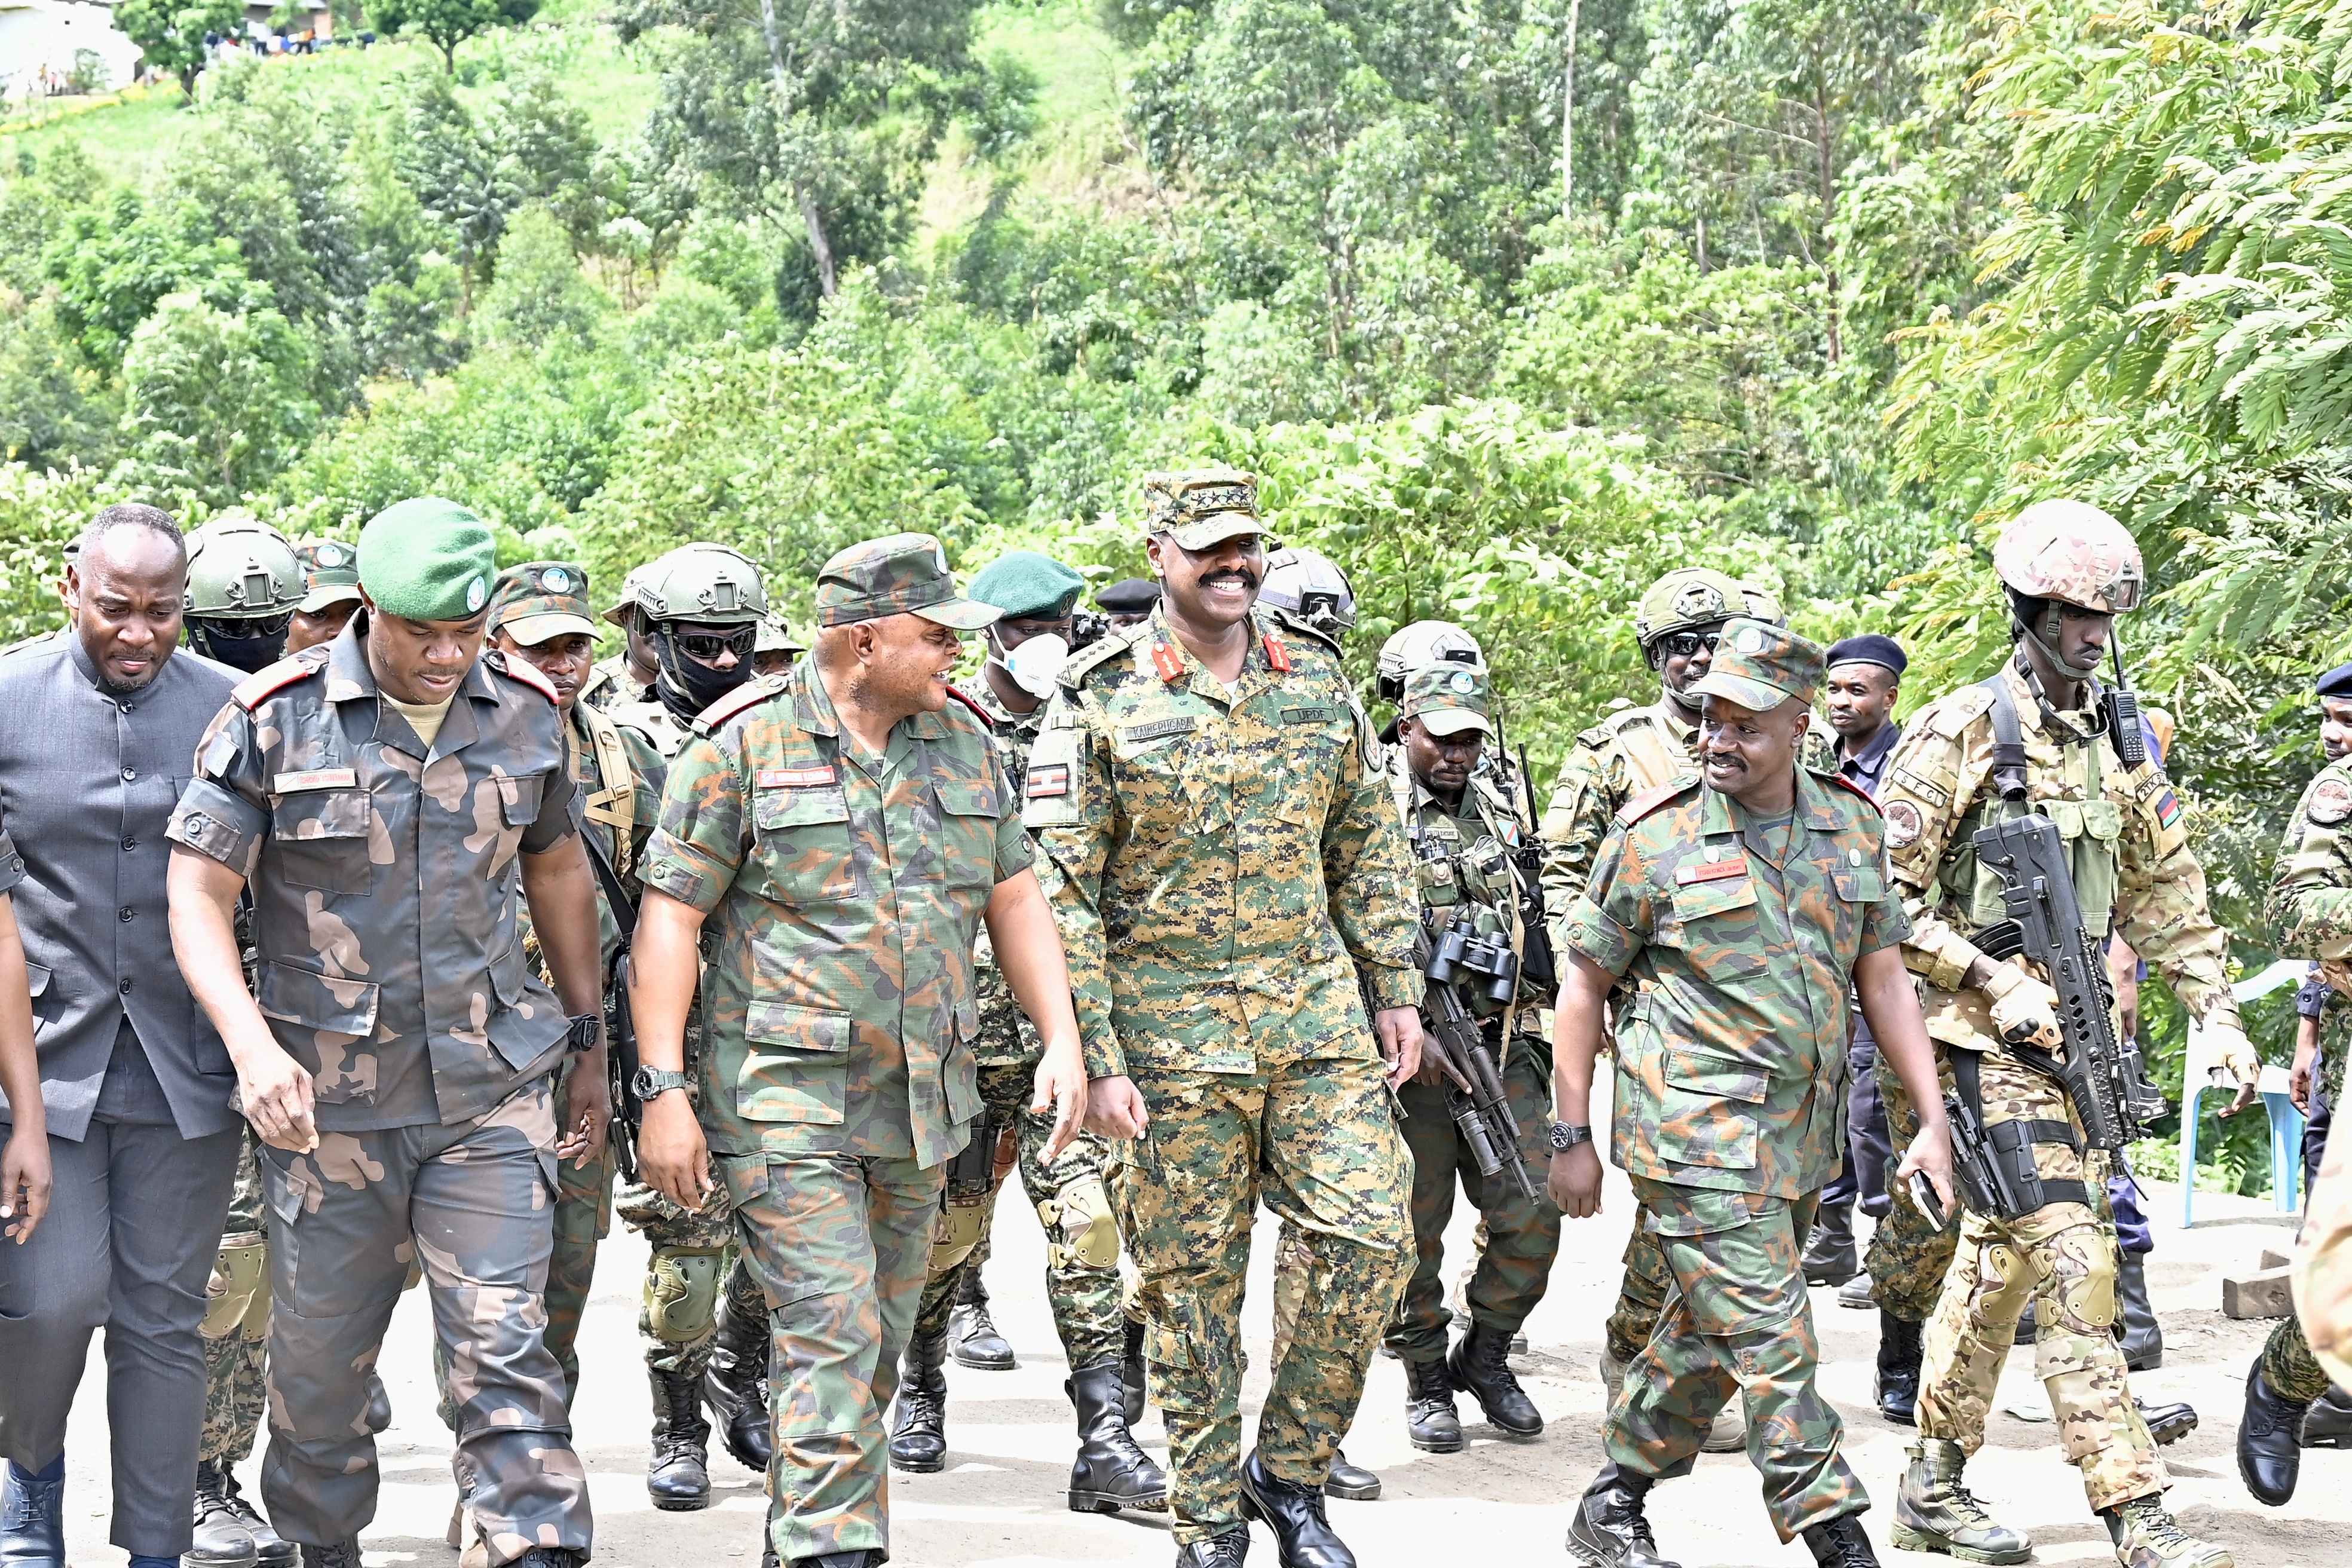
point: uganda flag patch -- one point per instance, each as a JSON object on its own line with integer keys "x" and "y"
{"x": 2167, "y": 809}
{"x": 1048, "y": 779}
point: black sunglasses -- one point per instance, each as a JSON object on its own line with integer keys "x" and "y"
{"x": 1683, "y": 644}
{"x": 707, "y": 647}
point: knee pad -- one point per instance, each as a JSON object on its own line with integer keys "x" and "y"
{"x": 959, "y": 1231}
{"x": 2078, "y": 1280}
{"x": 682, "y": 1293}
{"x": 240, "y": 1273}
{"x": 1081, "y": 1220}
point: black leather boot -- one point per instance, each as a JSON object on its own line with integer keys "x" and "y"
{"x": 677, "y": 1477}
{"x": 2027, "y": 1326}
{"x": 865, "y": 1557}
{"x": 551, "y": 1557}
{"x": 2269, "y": 1459}
{"x": 2328, "y": 1423}
{"x": 1353, "y": 1483}
{"x": 221, "y": 1540}
{"x": 33, "y": 1521}
{"x": 918, "y": 1437}
{"x": 341, "y": 1555}
{"x": 270, "y": 1549}
{"x": 1227, "y": 1550}
{"x": 1828, "y": 1256}
{"x": 2141, "y": 1337}
{"x": 1898, "y": 1369}
{"x": 1302, "y": 1535}
{"x": 1839, "y": 1543}
{"x": 1431, "y": 1422}
{"x": 972, "y": 1333}
{"x": 736, "y": 1385}
{"x": 1477, "y": 1365}
{"x": 1610, "y": 1529}
{"x": 2168, "y": 1424}
{"x": 1111, "y": 1472}
{"x": 1131, "y": 1385}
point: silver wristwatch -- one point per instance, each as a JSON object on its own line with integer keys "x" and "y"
{"x": 651, "y": 1082}
{"x": 1564, "y": 1137}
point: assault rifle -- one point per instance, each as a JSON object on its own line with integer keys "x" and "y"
{"x": 1461, "y": 950}
{"x": 620, "y": 1024}
{"x": 2044, "y": 924}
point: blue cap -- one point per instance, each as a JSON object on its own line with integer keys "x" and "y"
{"x": 2337, "y": 682}
{"x": 1870, "y": 647}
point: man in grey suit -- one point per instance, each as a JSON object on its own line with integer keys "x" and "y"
{"x": 99, "y": 735}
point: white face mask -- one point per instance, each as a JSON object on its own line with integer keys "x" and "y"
{"x": 1033, "y": 665}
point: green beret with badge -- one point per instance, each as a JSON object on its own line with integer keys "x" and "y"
{"x": 901, "y": 575}
{"x": 1760, "y": 666}
{"x": 1202, "y": 506}
{"x": 428, "y": 559}
{"x": 1447, "y": 699}
{"x": 1026, "y": 585}
{"x": 541, "y": 600}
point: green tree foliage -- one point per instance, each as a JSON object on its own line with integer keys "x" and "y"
{"x": 445, "y": 24}
{"x": 171, "y": 36}
{"x": 217, "y": 402}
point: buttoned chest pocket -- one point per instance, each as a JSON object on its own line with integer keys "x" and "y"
{"x": 969, "y": 810}
{"x": 1715, "y": 924}
{"x": 320, "y": 838}
{"x": 804, "y": 841}
{"x": 1300, "y": 770}
{"x": 1152, "y": 768}
{"x": 1854, "y": 890}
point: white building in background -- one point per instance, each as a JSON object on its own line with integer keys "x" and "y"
{"x": 40, "y": 40}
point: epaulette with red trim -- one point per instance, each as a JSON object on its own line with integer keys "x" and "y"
{"x": 1276, "y": 654}
{"x": 523, "y": 671}
{"x": 1649, "y": 800}
{"x": 249, "y": 693}
{"x": 751, "y": 694}
{"x": 1855, "y": 790}
{"x": 987, "y": 719}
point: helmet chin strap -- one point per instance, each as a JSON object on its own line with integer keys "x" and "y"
{"x": 2047, "y": 634}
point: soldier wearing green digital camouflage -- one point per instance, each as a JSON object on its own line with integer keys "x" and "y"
{"x": 844, "y": 828}
{"x": 1027, "y": 645}
{"x": 244, "y": 585}
{"x": 394, "y": 1053}
{"x": 2037, "y": 738}
{"x": 697, "y": 613}
{"x": 1632, "y": 750}
{"x": 1466, "y": 831}
{"x": 1225, "y": 861}
{"x": 1729, "y": 913}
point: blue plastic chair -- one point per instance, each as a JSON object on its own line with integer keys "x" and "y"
{"x": 2286, "y": 1146}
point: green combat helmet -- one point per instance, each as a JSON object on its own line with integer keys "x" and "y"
{"x": 700, "y": 605}
{"x": 1306, "y": 590}
{"x": 242, "y": 585}
{"x": 1683, "y": 598}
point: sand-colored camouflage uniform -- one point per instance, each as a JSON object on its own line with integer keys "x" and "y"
{"x": 845, "y": 892}
{"x": 1223, "y": 859}
{"x": 384, "y": 876}
{"x": 1738, "y": 942}
{"x": 2134, "y": 876}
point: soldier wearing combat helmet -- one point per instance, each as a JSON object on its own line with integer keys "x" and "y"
{"x": 242, "y": 585}
{"x": 2036, "y": 737}
{"x": 698, "y": 609}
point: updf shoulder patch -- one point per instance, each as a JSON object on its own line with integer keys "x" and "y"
{"x": 751, "y": 694}
{"x": 1650, "y": 800}
{"x": 523, "y": 671}
{"x": 250, "y": 692}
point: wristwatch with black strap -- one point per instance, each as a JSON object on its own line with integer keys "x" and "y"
{"x": 1564, "y": 1137}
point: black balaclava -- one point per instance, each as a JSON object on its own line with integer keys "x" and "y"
{"x": 234, "y": 644}
{"x": 687, "y": 685}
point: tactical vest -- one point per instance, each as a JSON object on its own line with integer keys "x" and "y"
{"x": 2092, "y": 827}
{"x": 615, "y": 805}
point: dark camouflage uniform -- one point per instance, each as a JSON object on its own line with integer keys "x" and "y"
{"x": 1730, "y": 1105}
{"x": 1223, "y": 860}
{"x": 844, "y": 892}
{"x": 384, "y": 877}
{"x": 1068, "y": 1192}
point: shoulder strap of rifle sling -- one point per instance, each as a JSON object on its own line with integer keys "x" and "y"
{"x": 2007, "y": 739}
{"x": 624, "y": 913}
{"x": 615, "y": 805}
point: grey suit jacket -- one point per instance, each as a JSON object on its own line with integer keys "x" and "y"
{"x": 87, "y": 781}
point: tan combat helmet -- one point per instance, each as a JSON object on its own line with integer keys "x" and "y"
{"x": 1416, "y": 647}
{"x": 2072, "y": 552}
{"x": 1684, "y": 597}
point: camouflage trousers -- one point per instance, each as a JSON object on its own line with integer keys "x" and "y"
{"x": 474, "y": 1205}
{"x": 2288, "y": 1364}
{"x": 837, "y": 1243}
{"x": 1520, "y": 1236}
{"x": 1641, "y": 1293}
{"x": 1908, "y": 1256}
{"x": 2062, "y": 1258}
{"x": 1315, "y": 1139}
{"x": 236, "y": 1325}
{"x": 1068, "y": 1194}
{"x": 1737, "y": 1321}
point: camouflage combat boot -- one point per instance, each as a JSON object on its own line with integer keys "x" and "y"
{"x": 1935, "y": 1512}
{"x": 2147, "y": 1536}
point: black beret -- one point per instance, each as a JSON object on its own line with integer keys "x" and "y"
{"x": 2337, "y": 682}
{"x": 1129, "y": 596}
{"x": 1870, "y": 647}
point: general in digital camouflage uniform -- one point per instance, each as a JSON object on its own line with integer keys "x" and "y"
{"x": 1736, "y": 936}
{"x": 382, "y": 843}
{"x": 1464, "y": 843}
{"x": 1034, "y": 596}
{"x": 843, "y": 893}
{"x": 1224, "y": 860}
{"x": 2310, "y": 909}
{"x": 2065, "y": 565}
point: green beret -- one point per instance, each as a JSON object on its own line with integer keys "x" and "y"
{"x": 1023, "y": 584}
{"x": 428, "y": 560}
